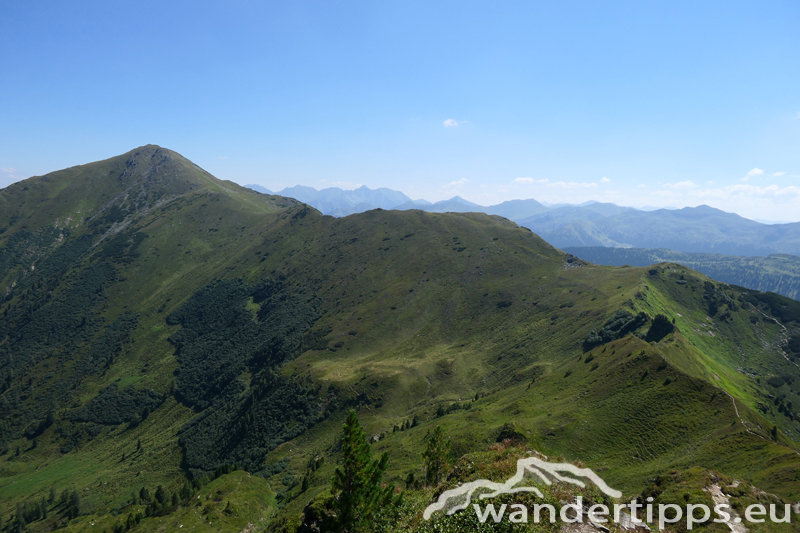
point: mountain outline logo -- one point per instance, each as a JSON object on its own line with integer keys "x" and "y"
{"x": 459, "y": 498}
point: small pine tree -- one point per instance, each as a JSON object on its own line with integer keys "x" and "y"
{"x": 434, "y": 459}
{"x": 43, "y": 507}
{"x": 161, "y": 494}
{"x": 74, "y": 507}
{"x": 186, "y": 492}
{"x": 356, "y": 486}
{"x": 52, "y": 498}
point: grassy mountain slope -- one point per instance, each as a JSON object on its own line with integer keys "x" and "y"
{"x": 396, "y": 314}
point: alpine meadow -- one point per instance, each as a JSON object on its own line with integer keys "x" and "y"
{"x": 180, "y": 353}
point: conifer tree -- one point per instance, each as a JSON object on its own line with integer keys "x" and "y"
{"x": 74, "y": 504}
{"x": 161, "y": 494}
{"x": 356, "y": 485}
{"x": 434, "y": 459}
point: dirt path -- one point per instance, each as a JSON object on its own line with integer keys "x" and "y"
{"x": 734, "y": 521}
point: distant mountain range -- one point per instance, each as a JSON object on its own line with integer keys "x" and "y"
{"x": 339, "y": 202}
{"x": 778, "y": 273}
{"x": 691, "y": 229}
{"x": 701, "y": 229}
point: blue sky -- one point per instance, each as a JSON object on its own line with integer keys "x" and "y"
{"x": 640, "y": 103}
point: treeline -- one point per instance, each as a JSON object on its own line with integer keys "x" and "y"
{"x": 616, "y": 327}
{"x": 65, "y": 507}
{"x": 779, "y": 273}
{"x": 145, "y": 503}
{"x": 220, "y": 338}
{"x": 54, "y": 334}
{"x": 20, "y": 248}
{"x": 113, "y": 407}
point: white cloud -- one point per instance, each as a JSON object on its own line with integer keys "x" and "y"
{"x": 732, "y": 195}
{"x": 688, "y": 184}
{"x": 751, "y": 191}
{"x": 450, "y": 123}
{"x": 779, "y": 174}
{"x": 752, "y": 174}
{"x": 223, "y": 157}
{"x": 605, "y": 180}
{"x": 530, "y": 181}
{"x": 10, "y": 175}
{"x": 557, "y": 184}
{"x": 572, "y": 185}
{"x": 458, "y": 183}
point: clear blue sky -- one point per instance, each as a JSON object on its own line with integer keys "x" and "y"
{"x": 673, "y": 103}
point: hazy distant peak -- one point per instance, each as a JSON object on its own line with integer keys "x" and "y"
{"x": 258, "y": 188}
{"x": 341, "y": 202}
{"x": 461, "y": 200}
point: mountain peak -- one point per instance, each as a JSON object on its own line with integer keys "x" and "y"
{"x": 150, "y": 172}
{"x": 462, "y": 201}
{"x": 129, "y": 183}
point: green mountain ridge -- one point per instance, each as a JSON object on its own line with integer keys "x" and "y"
{"x": 159, "y": 323}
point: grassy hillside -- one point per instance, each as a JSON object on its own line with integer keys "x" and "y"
{"x": 213, "y": 325}
{"x": 778, "y": 273}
